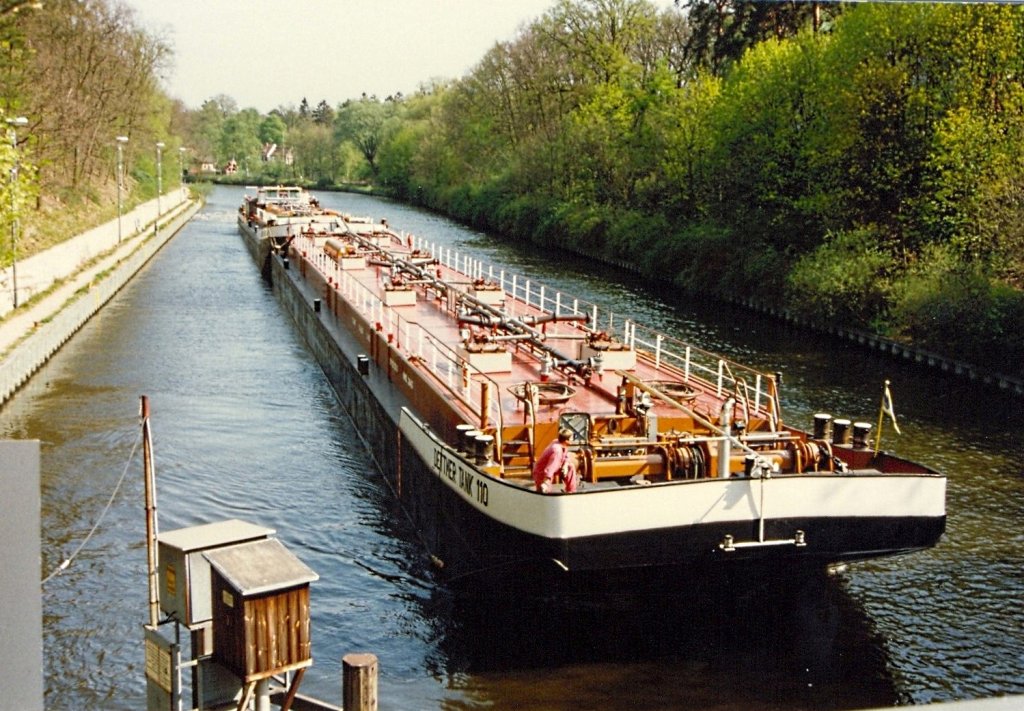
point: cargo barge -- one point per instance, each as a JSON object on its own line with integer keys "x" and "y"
{"x": 674, "y": 461}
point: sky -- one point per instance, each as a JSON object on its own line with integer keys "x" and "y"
{"x": 267, "y": 54}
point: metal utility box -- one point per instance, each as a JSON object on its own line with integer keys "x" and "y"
{"x": 184, "y": 574}
{"x": 260, "y": 609}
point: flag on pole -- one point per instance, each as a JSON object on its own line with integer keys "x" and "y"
{"x": 888, "y": 409}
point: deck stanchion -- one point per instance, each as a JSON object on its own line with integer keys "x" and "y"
{"x": 359, "y": 682}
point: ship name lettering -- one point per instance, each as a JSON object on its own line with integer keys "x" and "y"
{"x": 443, "y": 465}
{"x": 461, "y": 477}
{"x": 466, "y": 481}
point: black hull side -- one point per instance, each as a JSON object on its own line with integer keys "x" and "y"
{"x": 473, "y": 545}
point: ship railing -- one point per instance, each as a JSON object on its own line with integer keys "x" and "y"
{"x": 475, "y": 389}
{"x": 756, "y": 391}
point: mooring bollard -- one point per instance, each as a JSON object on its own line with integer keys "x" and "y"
{"x": 359, "y": 682}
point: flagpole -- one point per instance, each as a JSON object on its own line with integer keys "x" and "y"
{"x": 881, "y": 412}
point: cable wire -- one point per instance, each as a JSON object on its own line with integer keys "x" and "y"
{"x": 67, "y": 561}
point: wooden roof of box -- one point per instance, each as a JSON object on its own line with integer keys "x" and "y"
{"x": 259, "y": 567}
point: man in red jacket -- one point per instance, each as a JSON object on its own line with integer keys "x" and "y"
{"x": 556, "y": 460}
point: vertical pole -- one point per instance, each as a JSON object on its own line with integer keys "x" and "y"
{"x": 159, "y": 185}
{"x": 15, "y": 170}
{"x": 181, "y": 171}
{"x": 485, "y": 403}
{"x": 151, "y": 532}
{"x": 263, "y": 695}
{"x": 121, "y": 140}
{"x": 359, "y": 682}
{"x": 14, "y": 224}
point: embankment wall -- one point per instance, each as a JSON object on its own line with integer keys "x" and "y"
{"x": 48, "y": 336}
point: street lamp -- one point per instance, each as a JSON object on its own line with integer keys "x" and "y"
{"x": 121, "y": 140}
{"x": 159, "y": 185}
{"x": 181, "y": 170}
{"x": 14, "y": 123}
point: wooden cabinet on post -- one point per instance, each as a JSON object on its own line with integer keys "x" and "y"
{"x": 260, "y": 599}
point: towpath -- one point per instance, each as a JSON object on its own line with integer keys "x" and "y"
{"x": 50, "y": 284}
{"x": 46, "y": 281}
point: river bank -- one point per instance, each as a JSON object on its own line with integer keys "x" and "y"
{"x": 63, "y": 287}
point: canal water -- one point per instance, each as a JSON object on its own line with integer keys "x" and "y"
{"x": 245, "y": 426}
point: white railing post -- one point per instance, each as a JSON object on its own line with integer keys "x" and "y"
{"x": 657, "y": 351}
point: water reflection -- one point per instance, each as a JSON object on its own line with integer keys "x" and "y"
{"x": 806, "y": 646}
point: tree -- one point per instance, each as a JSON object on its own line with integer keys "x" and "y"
{"x": 93, "y": 75}
{"x": 240, "y": 137}
{"x": 721, "y": 31}
{"x": 362, "y": 123}
{"x": 272, "y": 129}
{"x": 323, "y": 114}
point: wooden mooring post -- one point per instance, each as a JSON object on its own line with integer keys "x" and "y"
{"x": 359, "y": 682}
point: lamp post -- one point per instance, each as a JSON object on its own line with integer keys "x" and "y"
{"x": 121, "y": 140}
{"x": 159, "y": 185}
{"x": 14, "y": 123}
{"x": 181, "y": 170}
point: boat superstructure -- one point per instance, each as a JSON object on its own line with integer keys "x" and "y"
{"x": 280, "y": 212}
{"x": 684, "y": 457}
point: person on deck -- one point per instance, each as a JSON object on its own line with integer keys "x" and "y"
{"x": 556, "y": 459}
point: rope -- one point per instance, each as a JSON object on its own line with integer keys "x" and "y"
{"x": 67, "y": 561}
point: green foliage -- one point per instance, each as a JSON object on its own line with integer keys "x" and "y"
{"x": 362, "y": 123}
{"x": 272, "y": 129}
{"x": 845, "y": 279}
{"x": 954, "y": 307}
{"x": 240, "y": 138}
{"x": 722, "y": 30}
{"x": 395, "y": 164}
